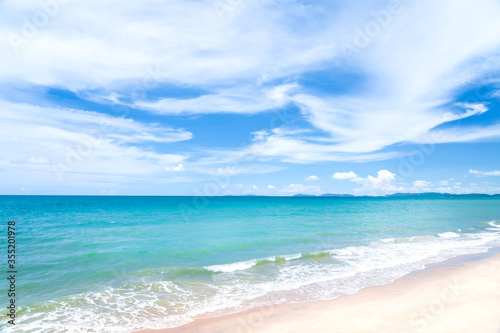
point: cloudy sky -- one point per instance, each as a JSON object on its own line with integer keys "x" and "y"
{"x": 273, "y": 97}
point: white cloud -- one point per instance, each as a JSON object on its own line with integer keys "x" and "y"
{"x": 74, "y": 145}
{"x": 38, "y": 160}
{"x": 254, "y": 187}
{"x": 421, "y": 184}
{"x": 444, "y": 183}
{"x": 411, "y": 87}
{"x": 383, "y": 180}
{"x": 471, "y": 109}
{"x": 241, "y": 100}
{"x": 271, "y": 187}
{"x": 71, "y": 124}
{"x": 81, "y": 147}
{"x": 232, "y": 168}
{"x": 361, "y": 127}
{"x": 380, "y": 185}
{"x": 291, "y": 147}
{"x": 484, "y": 173}
{"x": 312, "y": 177}
{"x": 300, "y": 189}
{"x": 178, "y": 167}
{"x": 459, "y": 188}
{"x": 457, "y": 134}
{"x": 344, "y": 175}
{"x": 165, "y": 42}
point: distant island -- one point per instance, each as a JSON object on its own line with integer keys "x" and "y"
{"x": 425, "y": 194}
{"x": 401, "y": 195}
{"x": 336, "y": 195}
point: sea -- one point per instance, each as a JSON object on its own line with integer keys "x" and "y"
{"x": 124, "y": 263}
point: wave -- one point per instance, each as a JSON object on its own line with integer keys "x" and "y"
{"x": 244, "y": 265}
{"x": 494, "y": 226}
{"x": 449, "y": 234}
{"x": 233, "y": 267}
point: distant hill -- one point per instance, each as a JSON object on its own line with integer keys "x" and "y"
{"x": 402, "y": 195}
{"x": 336, "y": 195}
{"x": 442, "y": 195}
{"x": 324, "y": 195}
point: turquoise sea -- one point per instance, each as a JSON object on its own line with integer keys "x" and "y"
{"x": 117, "y": 264}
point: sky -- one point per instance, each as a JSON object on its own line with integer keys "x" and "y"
{"x": 233, "y": 97}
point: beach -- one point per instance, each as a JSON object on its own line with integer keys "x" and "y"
{"x": 457, "y": 298}
{"x": 125, "y": 264}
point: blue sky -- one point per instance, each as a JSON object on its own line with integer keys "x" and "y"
{"x": 272, "y": 97}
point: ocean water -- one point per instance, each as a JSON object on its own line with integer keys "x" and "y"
{"x": 118, "y": 264}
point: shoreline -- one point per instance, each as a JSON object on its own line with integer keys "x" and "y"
{"x": 461, "y": 294}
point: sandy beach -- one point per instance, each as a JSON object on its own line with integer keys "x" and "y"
{"x": 461, "y": 298}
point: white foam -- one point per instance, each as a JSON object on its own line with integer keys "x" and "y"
{"x": 449, "y": 234}
{"x": 348, "y": 251}
{"x": 292, "y": 256}
{"x": 233, "y": 267}
{"x": 494, "y": 225}
{"x": 244, "y": 265}
{"x": 388, "y": 240}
